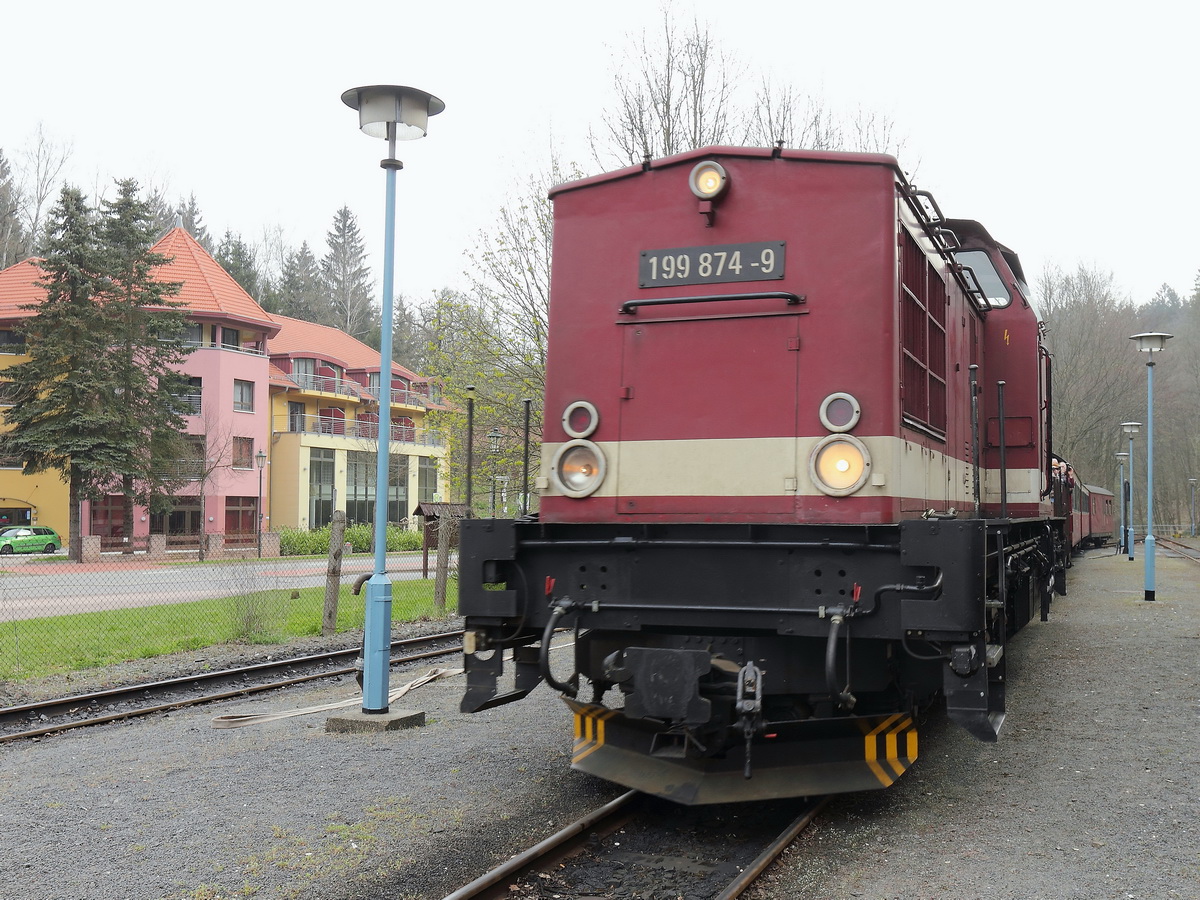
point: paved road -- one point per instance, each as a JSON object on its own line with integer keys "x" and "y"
{"x": 48, "y": 585}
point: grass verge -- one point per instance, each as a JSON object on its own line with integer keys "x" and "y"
{"x": 34, "y": 648}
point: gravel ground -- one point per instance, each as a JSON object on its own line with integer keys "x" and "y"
{"x": 1093, "y": 790}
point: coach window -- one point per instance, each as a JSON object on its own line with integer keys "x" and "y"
{"x": 989, "y": 279}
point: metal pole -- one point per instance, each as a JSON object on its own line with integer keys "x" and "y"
{"x": 1129, "y": 497}
{"x": 260, "y": 513}
{"x": 377, "y": 624}
{"x": 525, "y": 468}
{"x": 1149, "y": 543}
{"x": 470, "y": 445}
{"x": 1121, "y": 533}
{"x": 1192, "y": 482}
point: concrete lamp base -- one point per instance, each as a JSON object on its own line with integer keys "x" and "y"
{"x": 359, "y": 722}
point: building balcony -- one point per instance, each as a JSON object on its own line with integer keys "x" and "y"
{"x": 400, "y": 398}
{"x": 327, "y": 384}
{"x": 357, "y": 430}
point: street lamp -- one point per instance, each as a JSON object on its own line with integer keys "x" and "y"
{"x": 1121, "y": 457}
{"x": 1192, "y": 482}
{"x": 494, "y": 437}
{"x": 391, "y": 112}
{"x": 1130, "y": 428}
{"x": 1150, "y": 342}
{"x": 260, "y": 458}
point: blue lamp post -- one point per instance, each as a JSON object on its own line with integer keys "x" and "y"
{"x": 1192, "y": 483}
{"x": 391, "y": 112}
{"x": 1130, "y": 428}
{"x": 1150, "y": 342}
{"x": 1121, "y": 457}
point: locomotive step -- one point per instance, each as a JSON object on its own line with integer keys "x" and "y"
{"x": 994, "y": 653}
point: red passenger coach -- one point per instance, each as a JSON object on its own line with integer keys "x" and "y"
{"x": 795, "y": 484}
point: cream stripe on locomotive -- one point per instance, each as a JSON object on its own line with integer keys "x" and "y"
{"x": 763, "y": 467}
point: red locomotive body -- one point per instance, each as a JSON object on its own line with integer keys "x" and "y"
{"x": 795, "y": 483}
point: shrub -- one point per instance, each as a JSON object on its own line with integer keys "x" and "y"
{"x": 361, "y": 538}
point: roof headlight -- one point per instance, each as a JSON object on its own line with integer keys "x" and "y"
{"x": 708, "y": 180}
{"x": 578, "y": 468}
{"x": 839, "y": 465}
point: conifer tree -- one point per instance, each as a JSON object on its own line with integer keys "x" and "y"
{"x": 62, "y": 415}
{"x": 301, "y": 292}
{"x": 347, "y": 279}
{"x": 98, "y": 397}
{"x": 147, "y": 347}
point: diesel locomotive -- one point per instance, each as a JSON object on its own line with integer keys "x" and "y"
{"x": 796, "y": 479}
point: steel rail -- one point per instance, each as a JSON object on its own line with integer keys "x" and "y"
{"x": 772, "y": 852}
{"x": 241, "y": 691}
{"x": 530, "y": 857}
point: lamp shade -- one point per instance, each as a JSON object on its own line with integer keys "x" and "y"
{"x": 1151, "y": 341}
{"x": 379, "y": 104}
{"x": 1131, "y": 427}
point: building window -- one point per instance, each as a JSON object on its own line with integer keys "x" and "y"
{"x": 427, "y": 473}
{"x": 231, "y": 338}
{"x": 241, "y": 518}
{"x": 185, "y": 518}
{"x": 295, "y": 416}
{"x": 193, "y": 334}
{"x": 243, "y": 395}
{"x": 193, "y": 396}
{"x": 243, "y": 453}
{"x": 320, "y": 486}
{"x": 360, "y": 487}
{"x": 12, "y": 342}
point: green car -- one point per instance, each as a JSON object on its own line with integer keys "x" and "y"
{"x": 29, "y": 540}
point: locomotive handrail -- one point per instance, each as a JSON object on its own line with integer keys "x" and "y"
{"x": 672, "y": 542}
{"x": 629, "y": 307}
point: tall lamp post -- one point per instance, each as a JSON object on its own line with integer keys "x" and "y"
{"x": 494, "y": 437}
{"x": 1150, "y": 342}
{"x": 1130, "y": 429}
{"x": 1121, "y": 457}
{"x": 260, "y": 460}
{"x": 1192, "y": 483}
{"x": 391, "y": 112}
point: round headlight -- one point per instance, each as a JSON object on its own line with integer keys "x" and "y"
{"x": 578, "y": 468}
{"x": 707, "y": 180}
{"x": 839, "y": 465}
{"x": 840, "y": 412}
{"x": 580, "y": 419}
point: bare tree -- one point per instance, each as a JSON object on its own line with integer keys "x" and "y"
{"x": 679, "y": 89}
{"x": 42, "y": 171}
{"x": 1088, "y": 321}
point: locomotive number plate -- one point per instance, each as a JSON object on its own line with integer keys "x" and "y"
{"x": 716, "y": 264}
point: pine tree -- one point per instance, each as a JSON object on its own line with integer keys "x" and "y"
{"x": 238, "y": 259}
{"x": 348, "y": 279}
{"x": 301, "y": 290}
{"x": 62, "y": 415}
{"x": 147, "y": 347}
{"x": 193, "y": 222}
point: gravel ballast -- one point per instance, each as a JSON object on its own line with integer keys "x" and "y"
{"x": 1092, "y": 791}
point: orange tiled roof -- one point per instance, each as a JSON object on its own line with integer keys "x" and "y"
{"x": 297, "y": 337}
{"x": 207, "y": 288}
{"x": 18, "y": 286}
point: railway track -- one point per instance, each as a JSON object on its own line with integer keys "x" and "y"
{"x": 636, "y": 845}
{"x": 131, "y": 701}
{"x": 1185, "y": 550}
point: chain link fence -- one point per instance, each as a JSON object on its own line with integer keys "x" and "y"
{"x": 60, "y": 616}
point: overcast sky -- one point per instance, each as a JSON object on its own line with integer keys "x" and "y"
{"x": 1069, "y": 129}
